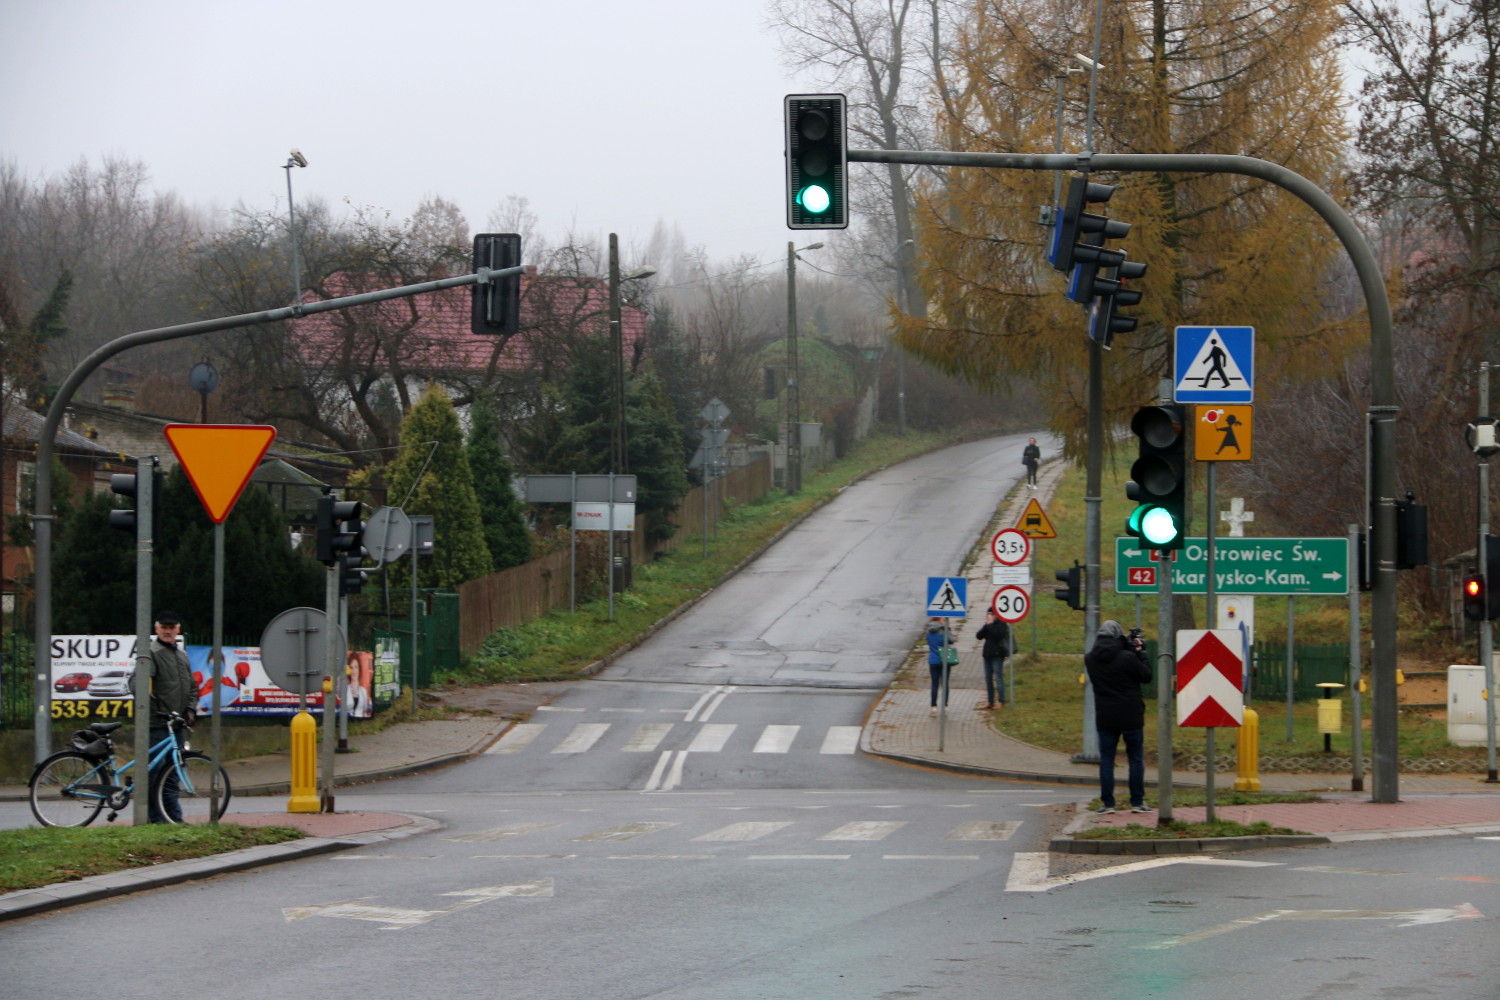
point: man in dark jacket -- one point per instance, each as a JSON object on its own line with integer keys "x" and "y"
{"x": 172, "y": 690}
{"x": 996, "y": 636}
{"x": 1117, "y": 668}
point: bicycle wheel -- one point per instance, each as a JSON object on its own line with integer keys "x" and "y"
{"x": 188, "y": 794}
{"x": 68, "y": 789}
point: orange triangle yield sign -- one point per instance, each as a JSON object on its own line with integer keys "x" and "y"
{"x": 219, "y": 460}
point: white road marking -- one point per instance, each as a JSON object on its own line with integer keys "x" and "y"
{"x": 625, "y": 831}
{"x": 711, "y": 738}
{"x": 931, "y": 857}
{"x": 864, "y": 830}
{"x": 776, "y": 739}
{"x": 660, "y": 857}
{"x": 1408, "y": 918}
{"x": 841, "y": 739}
{"x": 583, "y": 736}
{"x": 1029, "y": 870}
{"x": 517, "y": 737}
{"x": 653, "y": 783}
{"x": 744, "y": 831}
{"x": 647, "y": 737}
{"x": 557, "y": 708}
{"x": 502, "y": 832}
{"x": 397, "y": 918}
{"x": 726, "y": 691}
{"x": 985, "y": 831}
{"x": 799, "y": 857}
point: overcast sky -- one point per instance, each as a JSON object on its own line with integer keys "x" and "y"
{"x": 608, "y": 116}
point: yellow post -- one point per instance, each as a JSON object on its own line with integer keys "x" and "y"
{"x": 304, "y": 765}
{"x": 1248, "y": 746}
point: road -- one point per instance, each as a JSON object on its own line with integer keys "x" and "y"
{"x": 697, "y": 823}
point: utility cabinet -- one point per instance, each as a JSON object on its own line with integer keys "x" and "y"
{"x": 1466, "y": 705}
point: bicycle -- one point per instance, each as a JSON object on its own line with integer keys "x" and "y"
{"x": 73, "y": 786}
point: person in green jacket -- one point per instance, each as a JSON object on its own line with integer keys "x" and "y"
{"x": 172, "y": 690}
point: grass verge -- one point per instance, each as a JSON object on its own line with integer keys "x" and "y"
{"x": 38, "y": 856}
{"x": 1177, "y": 830}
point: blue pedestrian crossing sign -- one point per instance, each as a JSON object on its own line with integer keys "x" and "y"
{"x": 947, "y": 596}
{"x": 1215, "y": 364}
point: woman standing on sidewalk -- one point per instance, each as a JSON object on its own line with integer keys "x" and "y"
{"x": 938, "y": 641}
{"x": 996, "y": 636}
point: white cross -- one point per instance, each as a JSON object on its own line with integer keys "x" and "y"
{"x": 1237, "y": 515}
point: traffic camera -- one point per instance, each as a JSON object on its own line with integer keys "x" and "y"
{"x": 817, "y": 163}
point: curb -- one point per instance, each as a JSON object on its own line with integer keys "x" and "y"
{"x": 1186, "y": 845}
{"x": 30, "y": 902}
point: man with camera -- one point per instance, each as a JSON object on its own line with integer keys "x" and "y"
{"x": 1117, "y": 668}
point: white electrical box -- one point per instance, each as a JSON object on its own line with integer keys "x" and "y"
{"x": 1466, "y": 706}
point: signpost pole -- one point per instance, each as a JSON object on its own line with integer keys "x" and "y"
{"x": 1165, "y": 690}
{"x": 1209, "y": 616}
{"x": 1356, "y": 700}
{"x": 330, "y": 656}
{"x": 572, "y": 547}
{"x": 145, "y": 503}
{"x": 216, "y": 660}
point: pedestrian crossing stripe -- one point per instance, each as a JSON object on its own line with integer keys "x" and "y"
{"x": 947, "y": 596}
{"x": 648, "y": 737}
{"x": 743, "y": 832}
{"x": 1214, "y": 364}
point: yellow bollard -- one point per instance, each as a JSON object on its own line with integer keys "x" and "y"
{"x": 1247, "y": 744}
{"x": 304, "y": 765}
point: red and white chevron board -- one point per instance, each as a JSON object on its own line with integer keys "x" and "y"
{"x": 1210, "y": 668}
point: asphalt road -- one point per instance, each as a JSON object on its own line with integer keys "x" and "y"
{"x": 695, "y": 823}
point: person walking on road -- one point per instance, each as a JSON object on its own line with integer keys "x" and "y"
{"x": 1031, "y": 457}
{"x": 1117, "y": 668}
{"x": 996, "y": 636}
{"x": 939, "y": 643}
{"x": 172, "y": 690}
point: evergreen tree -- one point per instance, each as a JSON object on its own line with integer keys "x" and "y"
{"x": 505, "y": 532}
{"x": 655, "y": 446}
{"x": 432, "y": 469}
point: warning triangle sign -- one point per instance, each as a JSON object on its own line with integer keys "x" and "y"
{"x": 1034, "y": 522}
{"x": 219, "y": 460}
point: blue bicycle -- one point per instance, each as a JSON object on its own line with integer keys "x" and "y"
{"x": 72, "y": 787}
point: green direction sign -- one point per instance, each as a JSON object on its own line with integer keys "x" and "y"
{"x": 1284, "y": 566}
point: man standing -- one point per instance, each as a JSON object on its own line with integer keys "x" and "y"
{"x": 1117, "y": 668}
{"x": 172, "y": 690}
{"x": 996, "y": 636}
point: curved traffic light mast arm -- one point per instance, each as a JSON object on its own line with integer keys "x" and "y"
{"x": 1382, "y": 410}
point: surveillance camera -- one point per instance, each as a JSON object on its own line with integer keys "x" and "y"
{"x": 1087, "y": 61}
{"x": 298, "y": 158}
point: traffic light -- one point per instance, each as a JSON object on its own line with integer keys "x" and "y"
{"x": 1159, "y": 477}
{"x": 1104, "y": 319}
{"x": 351, "y": 576}
{"x": 817, "y": 165}
{"x": 1475, "y": 605}
{"x": 340, "y": 531}
{"x": 128, "y": 485}
{"x": 495, "y": 305}
{"x": 1411, "y": 533}
{"x": 1078, "y": 236}
{"x": 1073, "y": 591}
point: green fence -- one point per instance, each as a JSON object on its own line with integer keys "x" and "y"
{"x": 1312, "y": 665}
{"x": 17, "y": 689}
{"x": 437, "y": 635}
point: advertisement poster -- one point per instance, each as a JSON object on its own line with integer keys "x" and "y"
{"x": 91, "y": 680}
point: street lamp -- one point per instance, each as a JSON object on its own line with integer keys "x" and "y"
{"x": 296, "y": 159}
{"x": 793, "y": 396}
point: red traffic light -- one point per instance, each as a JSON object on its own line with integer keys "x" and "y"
{"x": 1476, "y": 606}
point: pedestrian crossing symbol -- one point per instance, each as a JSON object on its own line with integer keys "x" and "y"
{"x": 1215, "y": 364}
{"x": 947, "y": 596}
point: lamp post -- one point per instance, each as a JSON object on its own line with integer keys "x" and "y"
{"x": 619, "y": 459}
{"x": 296, "y": 159}
{"x": 793, "y": 393}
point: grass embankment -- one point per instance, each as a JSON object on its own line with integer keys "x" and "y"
{"x": 46, "y": 855}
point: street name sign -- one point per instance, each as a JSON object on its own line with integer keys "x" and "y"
{"x": 1210, "y": 669}
{"x": 1267, "y": 566}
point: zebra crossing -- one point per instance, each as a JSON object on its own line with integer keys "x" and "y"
{"x": 783, "y": 831}
{"x": 650, "y": 737}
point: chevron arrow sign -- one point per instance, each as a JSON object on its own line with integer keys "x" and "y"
{"x": 1210, "y": 670}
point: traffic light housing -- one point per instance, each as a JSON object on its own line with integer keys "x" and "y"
{"x": 128, "y": 484}
{"x": 1158, "y": 479}
{"x": 817, "y": 161}
{"x": 340, "y": 530}
{"x": 1411, "y": 533}
{"x": 1104, "y": 318}
{"x": 1072, "y": 591}
{"x": 1078, "y": 236}
{"x": 351, "y": 576}
{"x": 495, "y": 305}
{"x": 1475, "y": 605}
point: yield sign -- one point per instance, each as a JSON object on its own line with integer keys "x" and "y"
{"x": 1209, "y": 670}
{"x": 219, "y": 460}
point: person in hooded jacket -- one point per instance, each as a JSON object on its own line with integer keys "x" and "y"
{"x": 1117, "y": 668}
{"x": 938, "y": 636}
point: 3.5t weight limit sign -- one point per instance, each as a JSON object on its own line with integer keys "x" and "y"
{"x": 1011, "y": 604}
{"x": 1010, "y": 547}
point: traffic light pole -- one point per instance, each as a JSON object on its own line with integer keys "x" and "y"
{"x": 1487, "y": 626}
{"x": 1382, "y": 408}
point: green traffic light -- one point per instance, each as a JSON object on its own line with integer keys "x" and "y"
{"x": 815, "y": 199}
{"x": 1157, "y": 526}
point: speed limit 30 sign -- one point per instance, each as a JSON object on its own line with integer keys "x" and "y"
{"x": 1010, "y": 547}
{"x": 1010, "y": 604}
